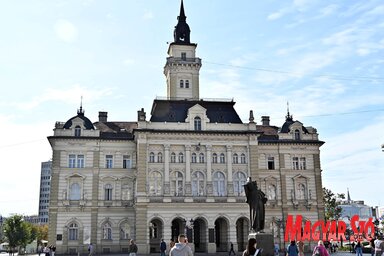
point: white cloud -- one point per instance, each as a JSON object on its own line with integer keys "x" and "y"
{"x": 363, "y": 51}
{"x": 328, "y": 10}
{"x": 128, "y": 62}
{"x": 66, "y": 31}
{"x": 277, "y": 15}
{"x": 70, "y": 95}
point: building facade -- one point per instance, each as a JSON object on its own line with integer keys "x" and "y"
{"x": 180, "y": 171}
{"x": 45, "y": 188}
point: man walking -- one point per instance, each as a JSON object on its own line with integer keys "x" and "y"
{"x": 163, "y": 247}
{"x": 231, "y": 250}
{"x": 181, "y": 248}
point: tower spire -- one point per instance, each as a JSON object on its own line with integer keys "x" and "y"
{"x": 288, "y": 116}
{"x": 80, "y": 111}
{"x": 182, "y": 31}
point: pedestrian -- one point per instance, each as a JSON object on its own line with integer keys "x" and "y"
{"x": 276, "y": 249}
{"x": 46, "y": 251}
{"x": 359, "y": 249}
{"x": 181, "y": 248}
{"x": 90, "y": 249}
{"x": 300, "y": 245}
{"x": 251, "y": 247}
{"x": 132, "y": 250}
{"x": 163, "y": 247}
{"x": 292, "y": 249}
{"x": 320, "y": 250}
{"x": 378, "y": 246}
{"x": 171, "y": 243}
{"x": 40, "y": 249}
{"x": 53, "y": 250}
{"x": 372, "y": 243}
{"x": 231, "y": 250}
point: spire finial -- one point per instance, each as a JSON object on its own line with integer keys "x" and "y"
{"x": 80, "y": 111}
{"x": 251, "y": 118}
{"x": 182, "y": 31}
{"x": 182, "y": 13}
{"x": 288, "y": 115}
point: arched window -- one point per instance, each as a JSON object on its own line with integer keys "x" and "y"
{"x": 181, "y": 157}
{"x": 214, "y": 158}
{"x": 155, "y": 184}
{"x": 125, "y": 230}
{"x": 193, "y": 158}
{"x": 242, "y": 159}
{"x": 186, "y": 83}
{"x": 181, "y": 83}
{"x": 77, "y": 131}
{"x": 173, "y": 157}
{"x": 300, "y": 191}
{"x": 201, "y": 158}
{"x": 271, "y": 193}
{"x": 153, "y": 230}
{"x": 218, "y": 184}
{"x": 151, "y": 157}
{"x": 297, "y": 134}
{"x": 177, "y": 184}
{"x": 198, "y": 184}
{"x": 235, "y": 158}
{"x": 75, "y": 192}
{"x": 197, "y": 123}
{"x": 107, "y": 231}
{"x": 159, "y": 157}
{"x": 222, "y": 158}
{"x": 108, "y": 192}
{"x": 73, "y": 231}
{"x": 239, "y": 180}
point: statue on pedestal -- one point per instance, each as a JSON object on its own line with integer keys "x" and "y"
{"x": 256, "y": 200}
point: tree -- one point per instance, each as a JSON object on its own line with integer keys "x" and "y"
{"x": 42, "y": 233}
{"x": 331, "y": 203}
{"x": 17, "y": 232}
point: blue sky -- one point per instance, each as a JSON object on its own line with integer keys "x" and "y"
{"x": 325, "y": 57}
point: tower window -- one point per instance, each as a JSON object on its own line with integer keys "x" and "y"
{"x": 297, "y": 135}
{"x": 271, "y": 163}
{"x": 186, "y": 83}
{"x": 77, "y": 131}
{"x": 181, "y": 83}
{"x": 184, "y": 56}
{"x": 197, "y": 123}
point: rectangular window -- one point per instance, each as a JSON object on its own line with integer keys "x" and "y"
{"x": 72, "y": 161}
{"x": 184, "y": 56}
{"x": 108, "y": 161}
{"x": 303, "y": 165}
{"x": 80, "y": 161}
{"x": 126, "y": 162}
{"x": 271, "y": 163}
{"x": 108, "y": 194}
{"x": 295, "y": 163}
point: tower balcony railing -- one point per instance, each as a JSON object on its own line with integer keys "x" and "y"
{"x": 179, "y": 60}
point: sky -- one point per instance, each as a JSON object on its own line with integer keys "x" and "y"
{"x": 326, "y": 58}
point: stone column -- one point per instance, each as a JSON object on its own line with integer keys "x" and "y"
{"x": 188, "y": 163}
{"x": 209, "y": 163}
{"x": 166, "y": 162}
{"x": 229, "y": 163}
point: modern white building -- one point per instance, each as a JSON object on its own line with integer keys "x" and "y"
{"x": 181, "y": 170}
{"x": 45, "y": 188}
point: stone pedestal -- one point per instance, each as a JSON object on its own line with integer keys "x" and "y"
{"x": 265, "y": 242}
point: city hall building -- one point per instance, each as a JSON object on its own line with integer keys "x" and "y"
{"x": 179, "y": 169}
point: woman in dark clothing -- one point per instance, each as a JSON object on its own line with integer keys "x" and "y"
{"x": 251, "y": 247}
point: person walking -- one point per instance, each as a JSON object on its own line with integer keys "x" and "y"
{"x": 90, "y": 249}
{"x": 231, "y": 250}
{"x": 379, "y": 244}
{"x": 300, "y": 245}
{"x": 181, "y": 248}
{"x": 163, "y": 247}
{"x": 292, "y": 249}
{"x": 132, "y": 250}
{"x": 359, "y": 249}
{"x": 320, "y": 249}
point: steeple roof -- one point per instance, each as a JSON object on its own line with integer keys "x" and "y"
{"x": 182, "y": 32}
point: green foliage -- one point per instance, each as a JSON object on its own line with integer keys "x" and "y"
{"x": 42, "y": 233}
{"x": 332, "y": 208}
{"x": 18, "y": 232}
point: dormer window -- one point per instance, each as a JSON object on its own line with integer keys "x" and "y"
{"x": 186, "y": 83}
{"x": 181, "y": 83}
{"x": 184, "y": 56}
{"x": 77, "y": 131}
{"x": 297, "y": 134}
{"x": 197, "y": 123}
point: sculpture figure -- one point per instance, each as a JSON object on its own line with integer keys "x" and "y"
{"x": 256, "y": 200}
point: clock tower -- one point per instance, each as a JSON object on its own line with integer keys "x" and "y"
{"x": 182, "y": 67}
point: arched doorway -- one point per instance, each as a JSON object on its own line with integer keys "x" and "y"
{"x": 242, "y": 230}
{"x": 200, "y": 238}
{"x": 155, "y": 234}
{"x": 221, "y": 233}
{"x": 177, "y": 228}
